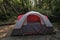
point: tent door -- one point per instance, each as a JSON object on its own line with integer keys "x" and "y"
{"x": 31, "y": 28}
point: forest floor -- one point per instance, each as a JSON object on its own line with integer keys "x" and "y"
{"x": 6, "y": 30}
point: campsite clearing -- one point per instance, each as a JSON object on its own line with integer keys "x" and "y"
{"x": 32, "y": 37}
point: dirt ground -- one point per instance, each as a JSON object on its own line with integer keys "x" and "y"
{"x": 35, "y": 37}
{"x": 6, "y": 31}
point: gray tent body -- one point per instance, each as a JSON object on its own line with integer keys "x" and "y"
{"x": 33, "y": 28}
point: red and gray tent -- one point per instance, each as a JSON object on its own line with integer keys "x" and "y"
{"x": 32, "y": 23}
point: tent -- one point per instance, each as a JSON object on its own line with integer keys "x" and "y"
{"x": 32, "y": 23}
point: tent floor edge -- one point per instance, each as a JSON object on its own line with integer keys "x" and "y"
{"x": 16, "y": 33}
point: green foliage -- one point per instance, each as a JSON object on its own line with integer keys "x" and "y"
{"x": 10, "y": 9}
